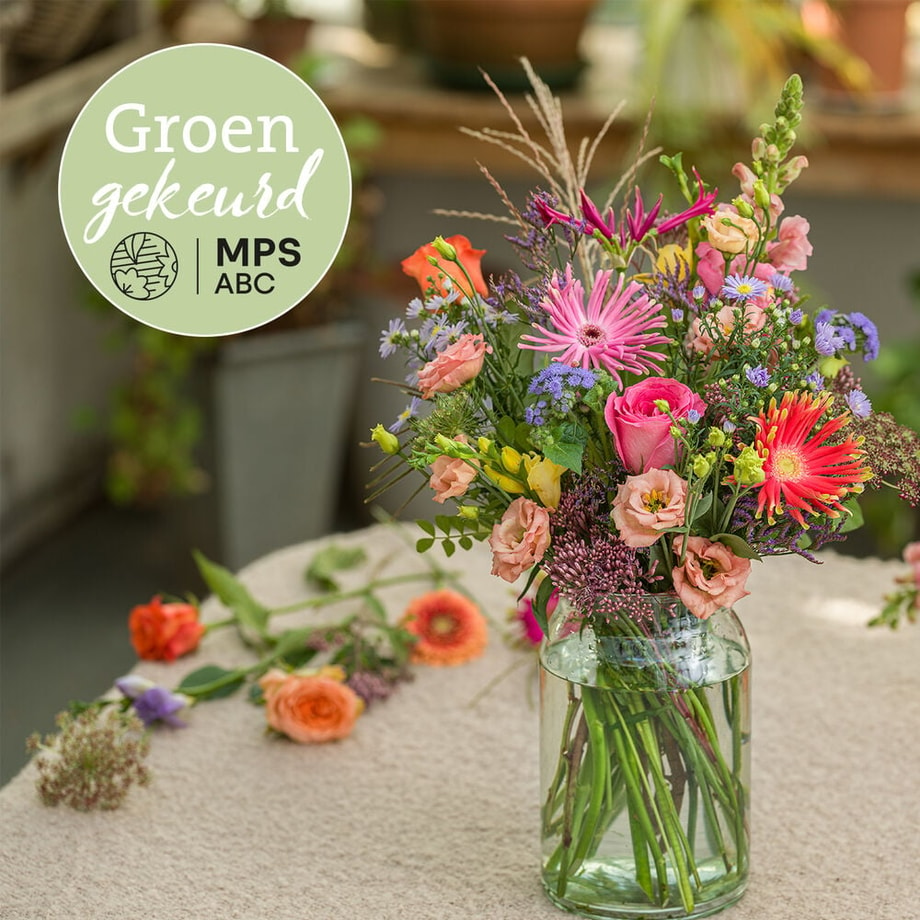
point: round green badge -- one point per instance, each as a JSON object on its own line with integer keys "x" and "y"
{"x": 204, "y": 189}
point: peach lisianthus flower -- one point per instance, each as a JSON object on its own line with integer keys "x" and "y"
{"x": 729, "y": 232}
{"x": 648, "y": 504}
{"x": 450, "y": 628}
{"x": 310, "y": 708}
{"x": 519, "y": 539}
{"x": 164, "y": 632}
{"x": 711, "y": 577}
{"x": 451, "y": 476}
{"x": 432, "y": 277}
{"x": 455, "y": 365}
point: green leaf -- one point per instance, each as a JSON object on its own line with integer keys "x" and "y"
{"x": 211, "y": 683}
{"x": 449, "y": 547}
{"x": 541, "y": 599}
{"x": 465, "y": 542}
{"x": 251, "y": 616}
{"x": 565, "y": 453}
{"x": 737, "y": 545}
{"x": 702, "y": 505}
{"x": 331, "y": 559}
{"x": 424, "y": 544}
{"x": 426, "y": 526}
{"x": 854, "y": 520}
{"x": 506, "y": 429}
{"x": 445, "y": 522}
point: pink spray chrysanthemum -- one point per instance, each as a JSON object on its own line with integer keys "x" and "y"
{"x": 614, "y": 332}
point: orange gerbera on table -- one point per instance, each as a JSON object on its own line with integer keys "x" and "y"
{"x": 450, "y": 628}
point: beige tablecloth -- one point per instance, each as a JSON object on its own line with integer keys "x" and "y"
{"x": 430, "y": 809}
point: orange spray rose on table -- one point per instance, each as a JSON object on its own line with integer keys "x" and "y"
{"x": 164, "y": 632}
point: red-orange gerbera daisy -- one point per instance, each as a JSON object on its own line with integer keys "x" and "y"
{"x": 806, "y": 467}
{"x": 450, "y": 628}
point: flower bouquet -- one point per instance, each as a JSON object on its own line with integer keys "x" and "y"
{"x": 645, "y": 412}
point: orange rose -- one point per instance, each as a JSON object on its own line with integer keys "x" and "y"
{"x": 310, "y": 707}
{"x": 450, "y": 628}
{"x": 163, "y": 632}
{"x": 431, "y": 277}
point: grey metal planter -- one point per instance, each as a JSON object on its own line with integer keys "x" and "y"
{"x": 282, "y": 413}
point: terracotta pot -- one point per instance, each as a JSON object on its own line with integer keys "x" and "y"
{"x": 282, "y": 38}
{"x": 876, "y": 31}
{"x": 457, "y": 37}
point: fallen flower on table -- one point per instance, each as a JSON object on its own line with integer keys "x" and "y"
{"x": 448, "y": 627}
{"x": 164, "y": 632}
{"x": 314, "y": 680}
{"x": 92, "y": 761}
{"x": 905, "y": 601}
{"x": 310, "y": 707}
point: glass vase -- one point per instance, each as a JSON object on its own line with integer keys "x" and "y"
{"x": 645, "y": 729}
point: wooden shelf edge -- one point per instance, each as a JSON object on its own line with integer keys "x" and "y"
{"x": 30, "y": 113}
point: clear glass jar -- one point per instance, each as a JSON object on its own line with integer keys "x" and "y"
{"x": 645, "y": 760}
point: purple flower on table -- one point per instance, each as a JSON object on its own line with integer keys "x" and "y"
{"x": 152, "y": 703}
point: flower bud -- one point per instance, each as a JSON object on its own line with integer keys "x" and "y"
{"x": 701, "y": 466}
{"x": 470, "y": 512}
{"x": 749, "y": 467}
{"x": 444, "y": 249}
{"x": 716, "y": 438}
{"x": 511, "y": 459}
{"x": 662, "y": 405}
{"x": 761, "y": 195}
{"x": 388, "y": 441}
{"x": 744, "y": 207}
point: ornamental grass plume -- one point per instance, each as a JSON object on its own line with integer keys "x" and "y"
{"x": 92, "y": 761}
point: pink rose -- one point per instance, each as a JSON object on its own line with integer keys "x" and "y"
{"x": 519, "y": 539}
{"x": 912, "y": 558}
{"x": 454, "y": 366}
{"x": 641, "y": 431}
{"x": 648, "y": 504}
{"x": 790, "y": 251}
{"x": 711, "y": 577}
{"x": 451, "y": 476}
{"x": 704, "y": 327}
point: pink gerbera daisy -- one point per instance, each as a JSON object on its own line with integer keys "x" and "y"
{"x": 612, "y": 332}
{"x": 807, "y": 466}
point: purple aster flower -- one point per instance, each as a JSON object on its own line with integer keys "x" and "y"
{"x": 728, "y": 426}
{"x": 415, "y": 309}
{"x": 759, "y": 375}
{"x": 780, "y": 282}
{"x": 409, "y": 412}
{"x": 743, "y": 287}
{"x": 816, "y": 380}
{"x": 389, "y": 337}
{"x": 825, "y": 316}
{"x": 693, "y": 416}
{"x": 796, "y": 316}
{"x": 859, "y": 403}
{"x": 677, "y": 315}
{"x": 698, "y": 292}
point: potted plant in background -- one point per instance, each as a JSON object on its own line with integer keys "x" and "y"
{"x": 255, "y": 424}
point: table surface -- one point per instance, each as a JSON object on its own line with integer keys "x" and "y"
{"x": 430, "y": 808}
